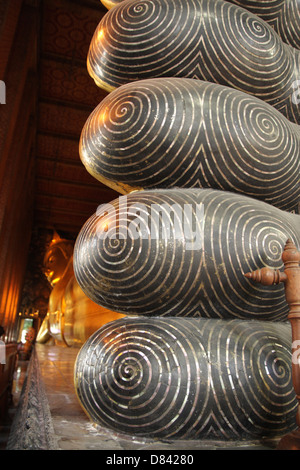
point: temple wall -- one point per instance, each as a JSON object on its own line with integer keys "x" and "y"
{"x": 18, "y": 71}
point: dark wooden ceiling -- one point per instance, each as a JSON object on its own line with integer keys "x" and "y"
{"x": 66, "y": 195}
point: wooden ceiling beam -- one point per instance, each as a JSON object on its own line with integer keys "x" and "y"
{"x": 99, "y": 187}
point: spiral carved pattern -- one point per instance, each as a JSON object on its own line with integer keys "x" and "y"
{"x": 163, "y": 133}
{"x": 175, "y": 378}
{"x": 282, "y": 15}
{"x": 210, "y": 40}
{"x": 184, "y": 252}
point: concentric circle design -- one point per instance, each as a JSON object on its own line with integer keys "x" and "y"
{"x": 176, "y": 378}
{"x": 163, "y": 133}
{"x": 184, "y": 252}
{"x": 282, "y": 15}
{"x": 210, "y": 40}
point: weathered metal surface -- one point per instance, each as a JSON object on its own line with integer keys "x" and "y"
{"x": 168, "y": 132}
{"x": 282, "y": 15}
{"x": 189, "y": 378}
{"x": 210, "y": 40}
{"x": 184, "y": 252}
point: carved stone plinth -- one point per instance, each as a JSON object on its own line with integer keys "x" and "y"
{"x": 32, "y": 428}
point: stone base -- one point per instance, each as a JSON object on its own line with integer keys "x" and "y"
{"x": 50, "y": 417}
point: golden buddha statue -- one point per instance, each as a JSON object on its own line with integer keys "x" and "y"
{"x": 72, "y": 317}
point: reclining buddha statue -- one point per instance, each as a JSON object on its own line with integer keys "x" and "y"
{"x": 72, "y": 317}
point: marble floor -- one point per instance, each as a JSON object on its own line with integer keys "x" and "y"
{"x": 69, "y": 426}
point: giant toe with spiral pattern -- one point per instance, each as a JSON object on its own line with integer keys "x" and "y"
{"x": 176, "y": 132}
{"x": 211, "y": 40}
{"x": 184, "y": 252}
{"x": 176, "y": 378}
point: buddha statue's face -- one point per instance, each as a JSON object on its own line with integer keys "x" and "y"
{"x": 55, "y": 263}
